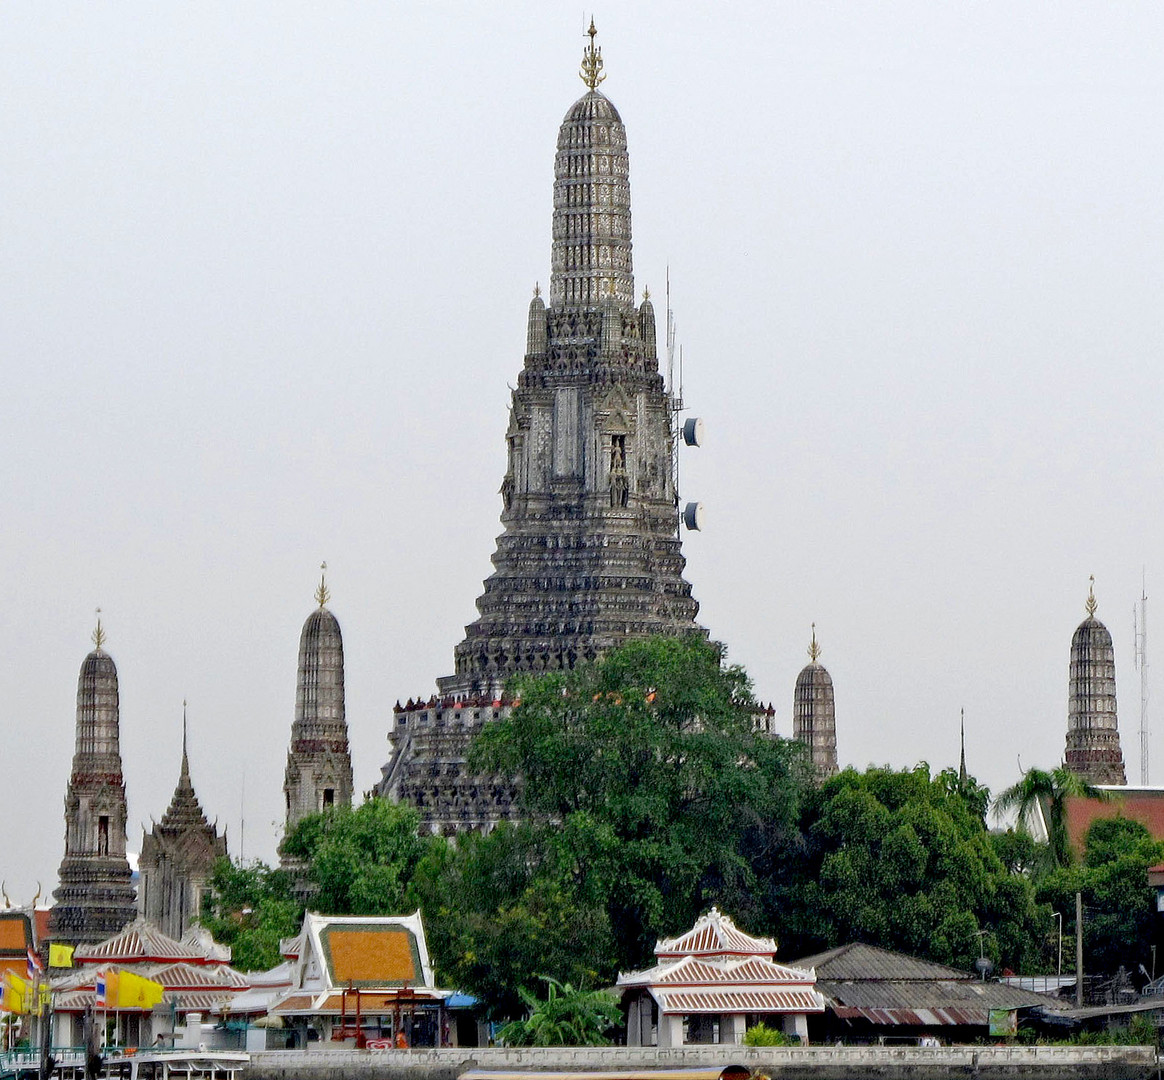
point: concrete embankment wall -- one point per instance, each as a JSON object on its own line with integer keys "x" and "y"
{"x": 781, "y": 1063}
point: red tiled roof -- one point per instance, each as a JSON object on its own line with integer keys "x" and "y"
{"x": 1145, "y": 805}
{"x": 140, "y": 943}
{"x": 715, "y": 934}
{"x": 714, "y": 1000}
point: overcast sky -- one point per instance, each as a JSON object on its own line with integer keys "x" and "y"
{"x": 264, "y": 271}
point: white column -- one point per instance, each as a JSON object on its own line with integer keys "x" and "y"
{"x": 733, "y": 1026}
{"x": 797, "y": 1024}
{"x": 670, "y": 1030}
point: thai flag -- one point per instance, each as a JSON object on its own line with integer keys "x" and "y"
{"x": 35, "y": 966}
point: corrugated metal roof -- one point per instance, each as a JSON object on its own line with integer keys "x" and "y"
{"x": 918, "y": 1017}
{"x": 933, "y": 994}
{"x": 712, "y": 1000}
{"x": 860, "y": 961}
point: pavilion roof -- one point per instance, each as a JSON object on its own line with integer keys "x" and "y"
{"x": 714, "y": 934}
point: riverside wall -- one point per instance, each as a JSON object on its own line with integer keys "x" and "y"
{"x": 778, "y": 1062}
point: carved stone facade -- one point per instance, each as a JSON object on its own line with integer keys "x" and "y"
{"x": 319, "y": 762}
{"x": 95, "y": 898}
{"x": 814, "y": 718}
{"x": 590, "y": 553}
{"x": 177, "y": 860}
{"x": 1093, "y": 738}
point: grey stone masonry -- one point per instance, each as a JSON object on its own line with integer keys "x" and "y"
{"x": 1093, "y": 738}
{"x": 177, "y": 859}
{"x": 96, "y": 897}
{"x": 589, "y": 555}
{"x": 319, "y": 762}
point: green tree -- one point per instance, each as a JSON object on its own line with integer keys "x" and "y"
{"x": 1042, "y": 794}
{"x": 360, "y": 861}
{"x": 1119, "y": 908}
{"x": 251, "y": 907}
{"x": 564, "y": 1017}
{"x": 647, "y": 775}
{"x": 501, "y": 909}
{"x": 903, "y": 860}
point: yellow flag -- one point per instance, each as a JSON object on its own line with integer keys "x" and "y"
{"x": 60, "y": 955}
{"x": 14, "y": 995}
{"x": 135, "y": 992}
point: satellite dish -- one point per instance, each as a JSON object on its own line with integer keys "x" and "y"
{"x": 693, "y": 431}
{"x": 693, "y": 516}
{"x": 984, "y": 966}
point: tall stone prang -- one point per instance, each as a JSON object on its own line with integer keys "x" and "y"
{"x": 814, "y": 720}
{"x": 1093, "y": 738}
{"x": 590, "y": 553}
{"x": 95, "y": 898}
{"x": 319, "y": 761}
{"x": 177, "y": 858}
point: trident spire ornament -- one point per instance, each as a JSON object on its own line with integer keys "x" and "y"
{"x": 814, "y": 648}
{"x": 591, "y": 70}
{"x": 322, "y": 595}
{"x": 99, "y": 633}
{"x": 1091, "y": 604}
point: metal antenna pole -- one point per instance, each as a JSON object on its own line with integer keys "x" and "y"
{"x": 1141, "y": 641}
{"x": 676, "y": 403}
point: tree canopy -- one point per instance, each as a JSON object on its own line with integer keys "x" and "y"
{"x": 903, "y": 860}
{"x": 646, "y": 775}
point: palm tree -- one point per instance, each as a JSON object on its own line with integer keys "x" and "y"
{"x": 1044, "y": 794}
{"x": 567, "y": 1017}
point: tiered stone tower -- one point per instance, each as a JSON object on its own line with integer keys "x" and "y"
{"x": 95, "y": 898}
{"x": 319, "y": 761}
{"x": 1093, "y": 738}
{"x": 177, "y": 858}
{"x": 590, "y": 552}
{"x": 814, "y": 720}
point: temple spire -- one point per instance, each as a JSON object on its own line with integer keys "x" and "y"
{"x": 962, "y": 774}
{"x": 591, "y": 71}
{"x": 814, "y": 648}
{"x": 185, "y": 759}
{"x": 1091, "y": 604}
{"x": 322, "y": 594}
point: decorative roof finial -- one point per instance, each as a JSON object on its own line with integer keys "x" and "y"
{"x": 591, "y": 70}
{"x": 99, "y": 633}
{"x": 322, "y": 595}
{"x": 646, "y": 294}
{"x": 537, "y": 289}
{"x": 814, "y": 648}
{"x": 1091, "y": 604}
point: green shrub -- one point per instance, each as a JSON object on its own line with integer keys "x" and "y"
{"x": 763, "y": 1035}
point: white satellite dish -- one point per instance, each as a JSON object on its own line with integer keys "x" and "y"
{"x": 693, "y": 431}
{"x": 693, "y": 516}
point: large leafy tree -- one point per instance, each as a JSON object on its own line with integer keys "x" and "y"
{"x": 250, "y": 908}
{"x": 1119, "y": 910}
{"x": 502, "y": 910}
{"x": 645, "y": 774}
{"x": 1044, "y": 794}
{"x": 903, "y": 860}
{"x": 360, "y": 861}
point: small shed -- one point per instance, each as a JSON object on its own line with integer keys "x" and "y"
{"x": 711, "y": 984}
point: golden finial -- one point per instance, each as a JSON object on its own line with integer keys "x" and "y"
{"x": 814, "y": 648}
{"x": 1091, "y": 604}
{"x": 646, "y": 294}
{"x": 591, "y": 71}
{"x": 99, "y": 633}
{"x": 537, "y": 289}
{"x": 322, "y": 595}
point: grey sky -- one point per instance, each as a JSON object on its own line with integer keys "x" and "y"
{"x": 264, "y": 271}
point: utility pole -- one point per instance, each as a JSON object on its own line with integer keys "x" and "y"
{"x": 1079, "y": 950}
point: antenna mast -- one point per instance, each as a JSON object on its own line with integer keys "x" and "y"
{"x": 1140, "y": 636}
{"x": 675, "y": 398}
